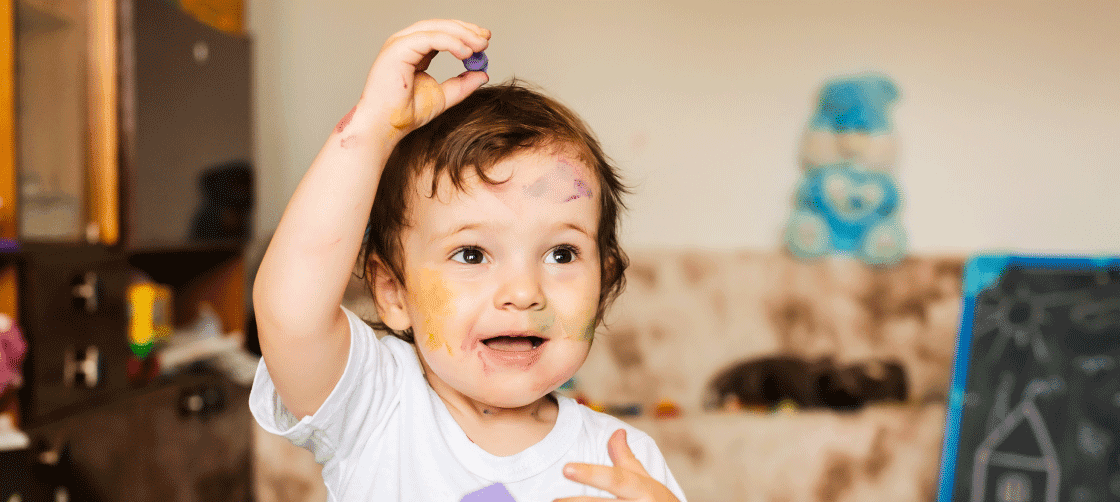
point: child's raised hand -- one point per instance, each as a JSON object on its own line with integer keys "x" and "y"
{"x": 398, "y": 86}
{"x": 627, "y": 479}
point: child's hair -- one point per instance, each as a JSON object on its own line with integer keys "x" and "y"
{"x": 492, "y": 124}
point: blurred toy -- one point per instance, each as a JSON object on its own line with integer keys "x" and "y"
{"x": 847, "y": 200}
{"x": 846, "y": 209}
{"x": 625, "y": 410}
{"x": 786, "y": 406}
{"x": 852, "y": 124}
{"x": 13, "y": 347}
{"x": 149, "y": 315}
{"x": 141, "y": 371}
{"x": 666, "y": 409}
{"x": 766, "y": 383}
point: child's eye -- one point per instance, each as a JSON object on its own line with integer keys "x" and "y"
{"x": 563, "y": 254}
{"x": 470, "y": 256}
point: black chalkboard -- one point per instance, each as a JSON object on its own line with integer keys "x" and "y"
{"x": 1034, "y": 407}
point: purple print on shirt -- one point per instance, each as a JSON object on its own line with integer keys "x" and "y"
{"x": 494, "y": 493}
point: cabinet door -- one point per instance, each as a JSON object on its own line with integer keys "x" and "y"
{"x": 74, "y": 317}
{"x": 188, "y": 441}
{"x": 186, "y": 177}
{"x": 65, "y": 124}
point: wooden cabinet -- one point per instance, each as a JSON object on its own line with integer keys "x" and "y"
{"x": 124, "y": 156}
{"x": 124, "y": 151}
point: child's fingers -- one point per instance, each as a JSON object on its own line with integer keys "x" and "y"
{"x": 426, "y": 61}
{"x": 449, "y": 25}
{"x": 482, "y": 32}
{"x": 417, "y": 46}
{"x": 619, "y": 482}
{"x": 620, "y": 453}
{"x": 456, "y": 89}
{"x": 472, "y": 35}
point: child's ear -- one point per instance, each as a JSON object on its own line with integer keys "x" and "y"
{"x": 388, "y": 296}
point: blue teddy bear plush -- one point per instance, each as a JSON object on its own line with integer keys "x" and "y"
{"x": 847, "y": 209}
{"x": 852, "y": 123}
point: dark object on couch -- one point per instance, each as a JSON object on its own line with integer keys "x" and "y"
{"x": 822, "y": 383}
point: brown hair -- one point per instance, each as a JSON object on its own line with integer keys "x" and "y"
{"x": 492, "y": 124}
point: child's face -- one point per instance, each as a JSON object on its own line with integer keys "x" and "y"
{"x": 518, "y": 258}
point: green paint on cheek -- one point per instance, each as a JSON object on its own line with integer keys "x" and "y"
{"x": 543, "y": 321}
{"x": 580, "y": 328}
{"x": 589, "y": 331}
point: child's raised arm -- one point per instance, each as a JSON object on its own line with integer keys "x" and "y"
{"x": 298, "y": 290}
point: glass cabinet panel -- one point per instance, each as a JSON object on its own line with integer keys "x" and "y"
{"x": 51, "y": 118}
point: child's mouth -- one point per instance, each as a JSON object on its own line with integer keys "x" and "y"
{"x": 514, "y": 343}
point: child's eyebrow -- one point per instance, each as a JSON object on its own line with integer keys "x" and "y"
{"x": 577, "y": 228}
{"x": 461, "y": 228}
{"x": 480, "y": 225}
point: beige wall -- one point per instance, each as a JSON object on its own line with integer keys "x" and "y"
{"x": 1007, "y": 126}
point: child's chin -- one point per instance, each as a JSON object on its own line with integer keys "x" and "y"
{"x": 509, "y": 397}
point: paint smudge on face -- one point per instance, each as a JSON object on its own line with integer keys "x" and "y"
{"x": 433, "y": 341}
{"x": 539, "y": 187}
{"x": 581, "y": 190}
{"x": 433, "y": 298}
{"x": 345, "y": 122}
{"x": 557, "y": 181}
{"x": 580, "y": 328}
{"x": 587, "y": 331}
{"x": 542, "y": 320}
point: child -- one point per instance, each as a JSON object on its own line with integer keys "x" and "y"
{"x": 491, "y": 252}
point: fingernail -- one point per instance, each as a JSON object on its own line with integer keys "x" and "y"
{"x": 569, "y": 470}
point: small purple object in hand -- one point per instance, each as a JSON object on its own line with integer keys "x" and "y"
{"x": 477, "y": 62}
{"x": 494, "y": 493}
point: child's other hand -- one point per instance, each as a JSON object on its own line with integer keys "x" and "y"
{"x": 398, "y": 85}
{"x": 627, "y": 480}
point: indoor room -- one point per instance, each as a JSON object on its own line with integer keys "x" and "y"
{"x": 873, "y": 247}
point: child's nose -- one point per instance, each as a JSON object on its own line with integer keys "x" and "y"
{"x": 522, "y": 291}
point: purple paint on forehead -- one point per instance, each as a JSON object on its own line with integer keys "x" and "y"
{"x": 494, "y": 493}
{"x": 477, "y": 62}
{"x": 582, "y": 190}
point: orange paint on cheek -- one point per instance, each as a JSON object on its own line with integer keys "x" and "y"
{"x": 433, "y": 298}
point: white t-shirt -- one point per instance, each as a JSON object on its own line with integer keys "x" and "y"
{"x": 384, "y": 434}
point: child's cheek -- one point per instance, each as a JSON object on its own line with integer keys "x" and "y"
{"x": 433, "y": 298}
{"x": 581, "y": 326}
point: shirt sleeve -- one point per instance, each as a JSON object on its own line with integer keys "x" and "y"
{"x": 358, "y": 404}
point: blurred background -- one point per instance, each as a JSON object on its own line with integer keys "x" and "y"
{"x": 153, "y": 145}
